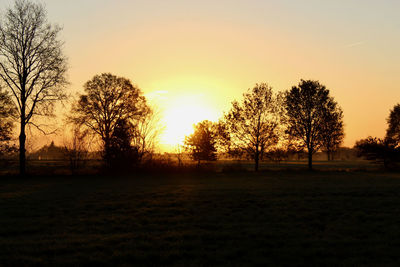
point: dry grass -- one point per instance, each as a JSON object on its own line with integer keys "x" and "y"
{"x": 233, "y": 218}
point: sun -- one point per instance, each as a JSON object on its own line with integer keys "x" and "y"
{"x": 180, "y": 116}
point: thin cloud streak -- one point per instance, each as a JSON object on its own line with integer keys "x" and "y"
{"x": 355, "y": 44}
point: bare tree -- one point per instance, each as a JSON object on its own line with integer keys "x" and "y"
{"x": 77, "y": 149}
{"x": 307, "y": 107}
{"x": 253, "y": 122}
{"x": 146, "y": 131}
{"x": 178, "y": 152}
{"x": 109, "y": 101}
{"x": 32, "y": 64}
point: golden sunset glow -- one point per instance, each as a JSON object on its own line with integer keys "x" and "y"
{"x": 215, "y": 50}
{"x": 199, "y": 132}
{"x": 180, "y": 119}
{"x": 180, "y": 113}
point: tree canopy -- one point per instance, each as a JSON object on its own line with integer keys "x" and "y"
{"x": 332, "y": 128}
{"x": 7, "y": 112}
{"x": 32, "y": 64}
{"x": 253, "y": 122}
{"x": 393, "y": 130}
{"x": 386, "y": 150}
{"x": 201, "y": 144}
{"x": 310, "y": 114}
{"x": 107, "y": 102}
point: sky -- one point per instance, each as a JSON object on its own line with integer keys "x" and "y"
{"x": 193, "y": 58}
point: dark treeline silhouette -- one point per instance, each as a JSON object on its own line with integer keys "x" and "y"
{"x": 268, "y": 125}
{"x": 201, "y": 145}
{"x": 7, "y": 114}
{"x": 386, "y": 150}
{"x": 313, "y": 117}
{"x": 252, "y": 124}
{"x": 114, "y": 113}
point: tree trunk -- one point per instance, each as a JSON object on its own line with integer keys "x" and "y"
{"x": 107, "y": 152}
{"x": 256, "y": 160}
{"x": 22, "y": 139}
{"x": 328, "y": 152}
{"x": 310, "y": 160}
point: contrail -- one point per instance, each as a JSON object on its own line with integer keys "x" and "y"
{"x": 354, "y": 44}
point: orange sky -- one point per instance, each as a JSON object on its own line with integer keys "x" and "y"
{"x": 203, "y": 54}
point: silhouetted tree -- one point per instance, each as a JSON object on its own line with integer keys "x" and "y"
{"x": 146, "y": 130}
{"x": 277, "y": 154}
{"x": 385, "y": 150}
{"x": 379, "y": 150}
{"x": 32, "y": 64}
{"x": 108, "y": 101}
{"x": 178, "y": 152}
{"x": 201, "y": 144}
{"x": 307, "y": 107}
{"x": 332, "y": 128}
{"x": 223, "y": 140}
{"x": 122, "y": 155}
{"x": 393, "y": 130}
{"x": 252, "y": 123}
{"x": 293, "y": 147}
{"x": 7, "y": 112}
{"x": 77, "y": 149}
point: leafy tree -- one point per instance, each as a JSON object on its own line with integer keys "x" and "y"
{"x": 253, "y": 122}
{"x": 107, "y": 102}
{"x": 332, "y": 128}
{"x": 308, "y": 107}
{"x": 201, "y": 144}
{"x": 393, "y": 130}
{"x": 223, "y": 140}
{"x": 277, "y": 154}
{"x": 7, "y": 111}
{"x": 379, "y": 150}
{"x": 122, "y": 155}
{"x": 32, "y": 64}
{"x": 385, "y": 150}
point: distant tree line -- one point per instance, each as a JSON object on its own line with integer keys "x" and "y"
{"x": 264, "y": 124}
{"x": 384, "y": 150}
{"x": 113, "y": 111}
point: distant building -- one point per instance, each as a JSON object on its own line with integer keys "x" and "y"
{"x": 50, "y": 152}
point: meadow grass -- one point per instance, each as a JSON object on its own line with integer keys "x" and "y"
{"x": 200, "y": 219}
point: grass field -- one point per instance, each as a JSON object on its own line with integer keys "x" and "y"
{"x": 227, "y": 218}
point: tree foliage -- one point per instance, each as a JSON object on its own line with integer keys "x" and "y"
{"x": 7, "y": 112}
{"x": 32, "y": 64}
{"x": 378, "y": 150}
{"x": 201, "y": 144}
{"x": 310, "y": 113}
{"x": 332, "y": 133}
{"x": 253, "y": 122}
{"x": 393, "y": 130}
{"x": 109, "y": 104}
{"x": 122, "y": 154}
{"x": 385, "y": 150}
